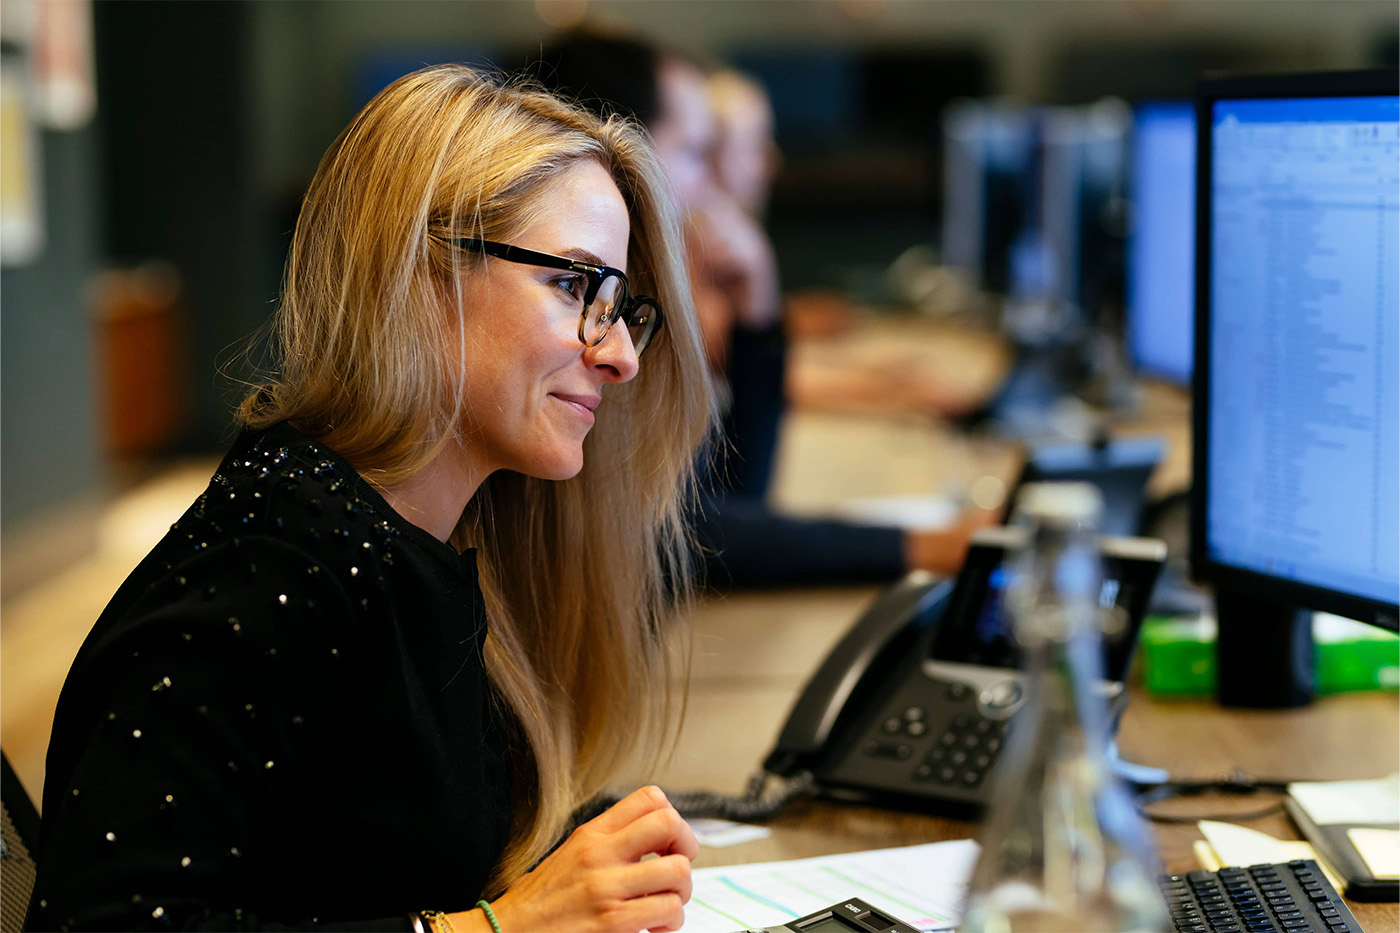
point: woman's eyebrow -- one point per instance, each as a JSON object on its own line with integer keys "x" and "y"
{"x": 582, "y": 255}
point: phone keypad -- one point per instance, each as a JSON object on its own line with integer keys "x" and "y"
{"x": 964, "y": 752}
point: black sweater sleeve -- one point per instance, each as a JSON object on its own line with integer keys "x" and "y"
{"x": 187, "y": 731}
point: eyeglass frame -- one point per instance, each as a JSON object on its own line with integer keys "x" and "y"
{"x": 595, "y": 273}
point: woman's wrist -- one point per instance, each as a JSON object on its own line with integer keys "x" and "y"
{"x": 466, "y": 921}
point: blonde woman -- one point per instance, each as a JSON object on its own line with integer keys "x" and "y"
{"x": 423, "y": 609}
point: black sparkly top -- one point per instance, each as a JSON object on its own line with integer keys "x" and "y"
{"x": 281, "y": 721}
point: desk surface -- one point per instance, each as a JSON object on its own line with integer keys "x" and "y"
{"x": 1349, "y": 736}
{"x": 754, "y": 651}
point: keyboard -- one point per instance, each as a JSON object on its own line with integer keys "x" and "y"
{"x": 1289, "y": 897}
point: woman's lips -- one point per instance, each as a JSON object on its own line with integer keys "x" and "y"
{"x": 582, "y": 405}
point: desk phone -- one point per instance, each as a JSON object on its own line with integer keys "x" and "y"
{"x": 912, "y": 706}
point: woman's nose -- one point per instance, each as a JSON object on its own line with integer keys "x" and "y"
{"x": 614, "y": 354}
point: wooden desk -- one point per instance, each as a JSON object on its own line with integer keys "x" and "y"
{"x": 741, "y": 695}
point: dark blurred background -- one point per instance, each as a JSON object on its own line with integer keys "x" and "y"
{"x": 165, "y": 213}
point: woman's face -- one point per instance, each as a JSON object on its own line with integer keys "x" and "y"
{"x": 532, "y": 387}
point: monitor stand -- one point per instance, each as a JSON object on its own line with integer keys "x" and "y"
{"x": 1263, "y": 651}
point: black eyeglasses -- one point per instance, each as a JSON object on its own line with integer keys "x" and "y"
{"x": 606, "y": 299}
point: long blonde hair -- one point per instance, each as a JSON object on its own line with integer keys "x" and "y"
{"x": 581, "y": 577}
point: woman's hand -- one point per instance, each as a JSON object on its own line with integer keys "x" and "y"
{"x": 596, "y": 882}
{"x": 942, "y": 550}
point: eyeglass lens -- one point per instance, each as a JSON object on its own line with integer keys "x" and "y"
{"x": 612, "y": 294}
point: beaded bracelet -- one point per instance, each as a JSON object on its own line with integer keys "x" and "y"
{"x": 490, "y": 915}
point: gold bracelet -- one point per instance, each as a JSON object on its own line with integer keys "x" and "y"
{"x": 437, "y": 921}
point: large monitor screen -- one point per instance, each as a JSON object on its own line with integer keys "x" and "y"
{"x": 1304, "y": 334}
{"x": 1162, "y": 240}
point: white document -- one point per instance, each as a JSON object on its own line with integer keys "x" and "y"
{"x": 908, "y": 512}
{"x": 1327, "y": 802}
{"x": 924, "y": 886}
{"x": 719, "y": 834}
{"x": 1241, "y": 846}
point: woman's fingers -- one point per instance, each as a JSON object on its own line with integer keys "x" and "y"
{"x": 635, "y": 805}
{"x": 667, "y": 874}
{"x": 659, "y": 913}
{"x": 662, "y": 831}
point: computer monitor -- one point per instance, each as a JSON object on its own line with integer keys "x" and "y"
{"x": 988, "y": 166}
{"x": 1161, "y": 240}
{"x": 1082, "y": 187}
{"x": 1297, "y": 347}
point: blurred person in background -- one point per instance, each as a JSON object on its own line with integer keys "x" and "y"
{"x": 420, "y": 614}
{"x": 740, "y": 307}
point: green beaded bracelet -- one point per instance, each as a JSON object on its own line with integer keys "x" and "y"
{"x": 486, "y": 909}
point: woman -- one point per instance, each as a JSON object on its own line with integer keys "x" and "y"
{"x": 421, "y": 612}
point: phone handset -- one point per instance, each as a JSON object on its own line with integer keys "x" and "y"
{"x": 815, "y": 714}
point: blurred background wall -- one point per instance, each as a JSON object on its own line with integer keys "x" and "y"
{"x": 167, "y": 213}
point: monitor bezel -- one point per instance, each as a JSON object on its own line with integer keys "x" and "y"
{"x": 1371, "y": 83}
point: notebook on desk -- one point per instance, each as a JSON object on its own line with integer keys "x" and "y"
{"x": 1355, "y": 827}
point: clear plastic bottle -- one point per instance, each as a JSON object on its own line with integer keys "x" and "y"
{"x": 1063, "y": 849}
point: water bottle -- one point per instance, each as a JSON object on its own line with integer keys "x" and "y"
{"x": 1063, "y": 848}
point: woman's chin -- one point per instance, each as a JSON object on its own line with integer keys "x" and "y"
{"x": 558, "y": 468}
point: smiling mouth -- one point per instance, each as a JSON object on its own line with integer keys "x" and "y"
{"x": 581, "y": 405}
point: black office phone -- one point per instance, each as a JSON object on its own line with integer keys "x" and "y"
{"x": 852, "y": 915}
{"x": 912, "y": 706}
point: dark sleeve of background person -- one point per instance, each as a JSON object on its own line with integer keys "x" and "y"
{"x": 607, "y": 74}
{"x": 746, "y": 544}
{"x": 757, "y": 366}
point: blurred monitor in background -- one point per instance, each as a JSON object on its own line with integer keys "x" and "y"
{"x": 989, "y": 168}
{"x": 1083, "y": 182}
{"x": 1161, "y": 240}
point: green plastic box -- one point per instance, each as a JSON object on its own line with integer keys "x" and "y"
{"x": 1177, "y": 656}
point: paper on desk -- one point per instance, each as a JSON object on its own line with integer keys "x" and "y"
{"x": 1240, "y": 846}
{"x": 1329, "y": 802}
{"x": 1379, "y": 848}
{"x": 922, "y": 885}
{"x": 910, "y": 512}
{"x": 722, "y": 833}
